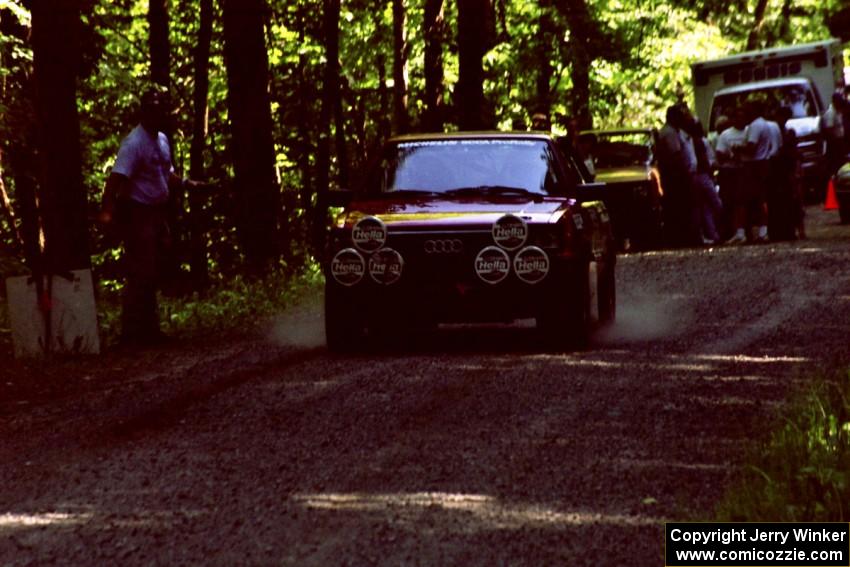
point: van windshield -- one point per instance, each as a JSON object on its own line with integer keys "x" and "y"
{"x": 798, "y": 97}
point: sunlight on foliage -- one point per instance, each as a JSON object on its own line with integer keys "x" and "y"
{"x": 802, "y": 474}
{"x": 236, "y": 303}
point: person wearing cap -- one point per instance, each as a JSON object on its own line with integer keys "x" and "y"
{"x": 136, "y": 199}
{"x": 540, "y": 122}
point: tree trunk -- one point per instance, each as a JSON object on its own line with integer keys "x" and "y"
{"x": 304, "y": 146}
{"x": 400, "y": 50}
{"x": 330, "y": 96}
{"x": 341, "y": 141}
{"x": 197, "y": 243}
{"x": 472, "y": 45}
{"x": 160, "y": 46}
{"x": 758, "y": 20}
{"x": 545, "y": 33}
{"x": 252, "y": 147}
{"x": 582, "y": 27}
{"x": 785, "y": 34}
{"x": 433, "y": 24}
{"x": 56, "y": 58}
{"x": 384, "y": 123}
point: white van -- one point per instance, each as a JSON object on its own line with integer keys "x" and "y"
{"x": 801, "y": 77}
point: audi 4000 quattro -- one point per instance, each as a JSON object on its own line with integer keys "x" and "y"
{"x": 469, "y": 227}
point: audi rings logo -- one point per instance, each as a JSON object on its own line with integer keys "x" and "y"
{"x": 446, "y": 246}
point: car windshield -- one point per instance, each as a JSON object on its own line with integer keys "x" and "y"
{"x": 798, "y": 97}
{"x": 503, "y": 167}
{"x": 622, "y": 150}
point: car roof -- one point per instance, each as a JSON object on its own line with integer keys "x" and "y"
{"x": 472, "y": 135}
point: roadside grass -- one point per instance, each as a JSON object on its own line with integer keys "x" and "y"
{"x": 235, "y": 303}
{"x": 802, "y": 472}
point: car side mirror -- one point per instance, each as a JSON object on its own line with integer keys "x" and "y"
{"x": 590, "y": 191}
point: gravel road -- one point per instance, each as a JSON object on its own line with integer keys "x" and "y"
{"x": 478, "y": 448}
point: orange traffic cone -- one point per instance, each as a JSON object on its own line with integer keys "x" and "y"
{"x": 831, "y": 202}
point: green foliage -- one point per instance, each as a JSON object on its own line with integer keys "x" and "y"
{"x": 229, "y": 304}
{"x": 802, "y": 474}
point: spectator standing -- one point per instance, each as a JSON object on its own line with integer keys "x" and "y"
{"x": 136, "y": 198}
{"x": 835, "y": 129}
{"x": 757, "y": 153}
{"x": 676, "y": 162}
{"x": 574, "y": 146}
{"x": 540, "y": 122}
{"x": 586, "y": 148}
{"x": 786, "y": 212}
{"x": 705, "y": 190}
{"x": 730, "y": 145}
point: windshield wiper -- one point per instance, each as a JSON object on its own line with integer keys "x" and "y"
{"x": 405, "y": 193}
{"x": 498, "y": 190}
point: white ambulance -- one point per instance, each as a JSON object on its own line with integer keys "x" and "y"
{"x": 801, "y": 77}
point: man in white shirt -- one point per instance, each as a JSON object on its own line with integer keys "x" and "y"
{"x": 756, "y": 154}
{"x": 136, "y": 198}
{"x": 676, "y": 163}
{"x": 729, "y": 149}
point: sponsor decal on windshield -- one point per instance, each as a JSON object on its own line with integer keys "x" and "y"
{"x": 348, "y": 267}
{"x": 492, "y": 265}
{"x": 531, "y": 265}
{"x": 424, "y": 143}
{"x": 510, "y": 232}
{"x": 369, "y": 234}
{"x": 385, "y": 266}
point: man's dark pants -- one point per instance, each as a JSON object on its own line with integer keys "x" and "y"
{"x": 146, "y": 237}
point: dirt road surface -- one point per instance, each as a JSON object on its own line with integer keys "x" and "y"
{"x": 478, "y": 448}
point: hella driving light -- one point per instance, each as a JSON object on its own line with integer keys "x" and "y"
{"x": 385, "y": 266}
{"x": 369, "y": 234}
{"x": 531, "y": 264}
{"x": 492, "y": 265}
{"x": 348, "y": 267}
{"x": 510, "y": 232}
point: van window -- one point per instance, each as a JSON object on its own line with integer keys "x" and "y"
{"x": 798, "y": 97}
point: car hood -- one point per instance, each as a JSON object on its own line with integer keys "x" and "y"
{"x": 623, "y": 174}
{"x": 410, "y": 213}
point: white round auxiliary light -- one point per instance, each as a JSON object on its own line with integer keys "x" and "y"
{"x": 386, "y": 266}
{"x": 531, "y": 264}
{"x": 369, "y": 234}
{"x": 492, "y": 265}
{"x": 348, "y": 267}
{"x": 510, "y": 232}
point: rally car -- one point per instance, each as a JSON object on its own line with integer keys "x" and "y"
{"x": 469, "y": 227}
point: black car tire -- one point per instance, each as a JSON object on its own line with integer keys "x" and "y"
{"x": 565, "y": 319}
{"x": 344, "y": 324}
{"x": 607, "y": 293}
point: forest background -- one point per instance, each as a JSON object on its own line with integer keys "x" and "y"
{"x": 275, "y": 102}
